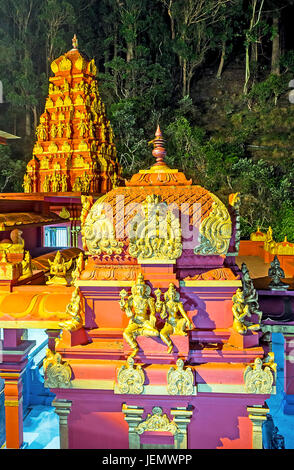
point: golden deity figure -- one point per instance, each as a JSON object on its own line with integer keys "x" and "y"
{"x": 58, "y": 270}
{"x": 77, "y": 185}
{"x": 79, "y": 268}
{"x": 60, "y": 127}
{"x": 74, "y": 309}
{"x": 63, "y": 183}
{"x": 172, "y": 310}
{"x": 137, "y": 307}
{"x": 91, "y": 130}
{"x": 41, "y": 131}
{"x": 27, "y": 183}
{"x": 55, "y": 182}
{"x": 68, "y": 130}
{"x": 53, "y": 131}
{"x": 83, "y": 126}
{"x": 27, "y": 270}
{"x": 46, "y": 184}
{"x": 86, "y": 182}
{"x": 240, "y": 311}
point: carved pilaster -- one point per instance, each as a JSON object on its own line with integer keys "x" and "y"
{"x": 62, "y": 409}
{"x": 257, "y": 415}
{"x": 133, "y": 416}
{"x": 182, "y": 417}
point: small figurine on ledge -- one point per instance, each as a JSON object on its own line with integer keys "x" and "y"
{"x": 136, "y": 307}
{"x": 58, "y": 270}
{"x": 172, "y": 310}
{"x": 276, "y": 273}
{"x": 241, "y": 311}
{"x": 27, "y": 270}
{"x": 74, "y": 309}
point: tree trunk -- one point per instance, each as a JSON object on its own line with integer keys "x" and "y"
{"x": 184, "y": 72}
{"x": 130, "y": 51}
{"x": 27, "y": 122}
{"x": 275, "y": 63}
{"x": 222, "y": 61}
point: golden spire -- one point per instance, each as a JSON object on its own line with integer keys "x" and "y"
{"x": 75, "y": 42}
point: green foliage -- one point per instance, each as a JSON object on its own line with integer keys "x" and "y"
{"x": 268, "y": 90}
{"x": 11, "y": 171}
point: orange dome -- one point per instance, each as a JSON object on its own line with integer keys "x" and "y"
{"x": 157, "y": 216}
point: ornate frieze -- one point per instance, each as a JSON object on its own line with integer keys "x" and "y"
{"x": 259, "y": 376}
{"x": 215, "y": 231}
{"x": 157, "y": 421}
{"x": 155, "y": 232}
{"x": 180, "y": 381}
{"x": 131, "y": 378}
{"x": 57, "y": 372}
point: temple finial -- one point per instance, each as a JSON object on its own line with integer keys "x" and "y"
{"x": 75, "y": 42}
{"x": 158, "y": 151}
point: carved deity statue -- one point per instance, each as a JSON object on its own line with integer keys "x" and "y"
{"x": 241, "y": 312}
{"x": 60, "y": 127}
{"x": 180, "y": 381}
{"x": 46, "y": 184}
{"x": 78, "y": 269}
{"x": 131, "y": 379}
{"x": 57, "y": 372}
{"x": 249, "y": 293}
{"x": 140, "y": 308}
{"x": 55, "y": 182}
{"x": 63, "y": 183}
{"x": 41, "y": 131}
{"x": 27, "y": 270}
{"x": 276, "y": 273}
{"x": 68, "y": 130}
{"x": 172, "y": 310}
{"x": 82, "y": 127}
{"x": 58, "y": 270}
{"x": 74, "y": 309}
{"x": 27, "y": 183}
{"x": 258, "y": 377}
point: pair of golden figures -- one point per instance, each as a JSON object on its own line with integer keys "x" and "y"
{"x": 141, "y": 308}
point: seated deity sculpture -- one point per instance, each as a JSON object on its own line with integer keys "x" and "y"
{"x": 58, "y": 270}
{"x": 140, "y": 308}
{"x": 240, "y": 312}
{"x": 172, "y": 310}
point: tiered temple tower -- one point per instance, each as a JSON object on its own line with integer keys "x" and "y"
{"x": 74, "y": 151}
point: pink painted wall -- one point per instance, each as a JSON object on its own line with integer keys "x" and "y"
{"x": 218, "y": 422}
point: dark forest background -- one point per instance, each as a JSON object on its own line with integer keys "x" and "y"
{"x": 213, "y": 73}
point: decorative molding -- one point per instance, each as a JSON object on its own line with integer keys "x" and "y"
{"x": 131, "y": 379}
{"x": 180, "y": 381}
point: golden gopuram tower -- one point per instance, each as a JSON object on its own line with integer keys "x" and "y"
{"x": 74, "y": 151}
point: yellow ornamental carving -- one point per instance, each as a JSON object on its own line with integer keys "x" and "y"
{"x": 92, "y": 69}
{"x": 131, "y": 379}
{"x": 54, "y": 67}
{"x": 44, "y": 163}
{"x": 99, "y": 233}
{"x": 49, "y": 103}
{"x": 79, "y": 100}
{"x": 172, "y": 311}
{"x": 64, "y": 64}
{"x": 83, "y": 146}
{"x": 38, "y": 149}
{"x": 157, "y": 421}
{"x": 52, "y": 148}
{"x": 58, "y": 269}
{"x": 75, "y": 309}
{"x": 66, "y": 147}
{"x": 215, "y": 231}
{"x": 259, "y": 377}
{"x": 80, "y": 63}
{"x": 79, "y": 162}
{"x": 59, "y": 103}
{"x": 139, "y": 307}
{"x": 180, "y": 381}
{"x": 57, "y": 372}
{"x": 155, "y": 233}
{"x": 67, "y": 101}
